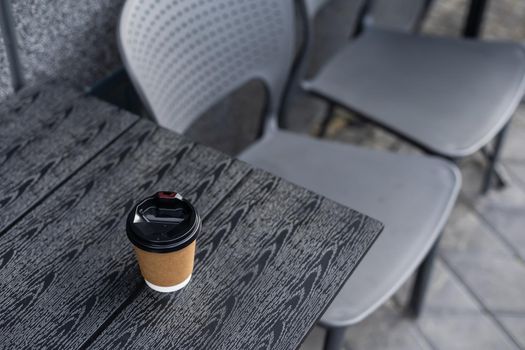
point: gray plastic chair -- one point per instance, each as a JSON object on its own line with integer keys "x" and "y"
{"x": 185, "y": 55}
{"x": 450, "y": 97}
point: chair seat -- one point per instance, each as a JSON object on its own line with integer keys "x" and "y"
{"x": 411, "y": 195}
{"x": 450, "y": 96}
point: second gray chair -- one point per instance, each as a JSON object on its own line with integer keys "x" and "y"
{"x": 185, "y": 55}
{"x": 450, "y": 97}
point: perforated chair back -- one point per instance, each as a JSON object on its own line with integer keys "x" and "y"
{"x": 186, "y": 55}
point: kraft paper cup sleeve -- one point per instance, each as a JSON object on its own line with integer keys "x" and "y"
{"x": 166, "y": 269}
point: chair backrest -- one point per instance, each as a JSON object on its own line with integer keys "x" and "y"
{"x": 309, "y": 9}
{"x": 395, "y": 14}
{"x": 314, "y": 6}
{"x": 402, "y": 15}
{"x": 186, "y": 55}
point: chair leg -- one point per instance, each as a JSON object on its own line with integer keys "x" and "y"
{"x": 326, "y": 120}
{"x": 334, "y": 338}
{"x": 493, "y": 159}
{"x": 424, "y": 272}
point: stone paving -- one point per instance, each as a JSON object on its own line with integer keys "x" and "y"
{"x": 477, "y": 294}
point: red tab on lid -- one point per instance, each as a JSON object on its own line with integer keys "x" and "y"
{"x": 166, "y": 195}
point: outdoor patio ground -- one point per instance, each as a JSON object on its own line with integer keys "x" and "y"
{"x": 477, "y": 295}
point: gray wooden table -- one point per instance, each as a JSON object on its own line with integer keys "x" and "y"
{"x": 270, "y": 258}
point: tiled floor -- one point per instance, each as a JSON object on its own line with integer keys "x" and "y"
{"x": 477, "y": 294}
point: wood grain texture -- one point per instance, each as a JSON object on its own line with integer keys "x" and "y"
{"x": 48, "y": 132}
{"x": 269, "y": 261}
{"x": 67, "y": 266}
{"x": 32, "y": 106}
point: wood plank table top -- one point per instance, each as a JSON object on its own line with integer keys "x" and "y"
{"x": 270, "y": 258}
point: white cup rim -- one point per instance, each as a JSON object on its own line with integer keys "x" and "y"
{"x": 169, "y": 289}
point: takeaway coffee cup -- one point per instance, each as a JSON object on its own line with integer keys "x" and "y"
{"x": 162, "y": 229}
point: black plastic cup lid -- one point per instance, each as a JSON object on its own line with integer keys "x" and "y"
{"x": 163, "y": 223}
